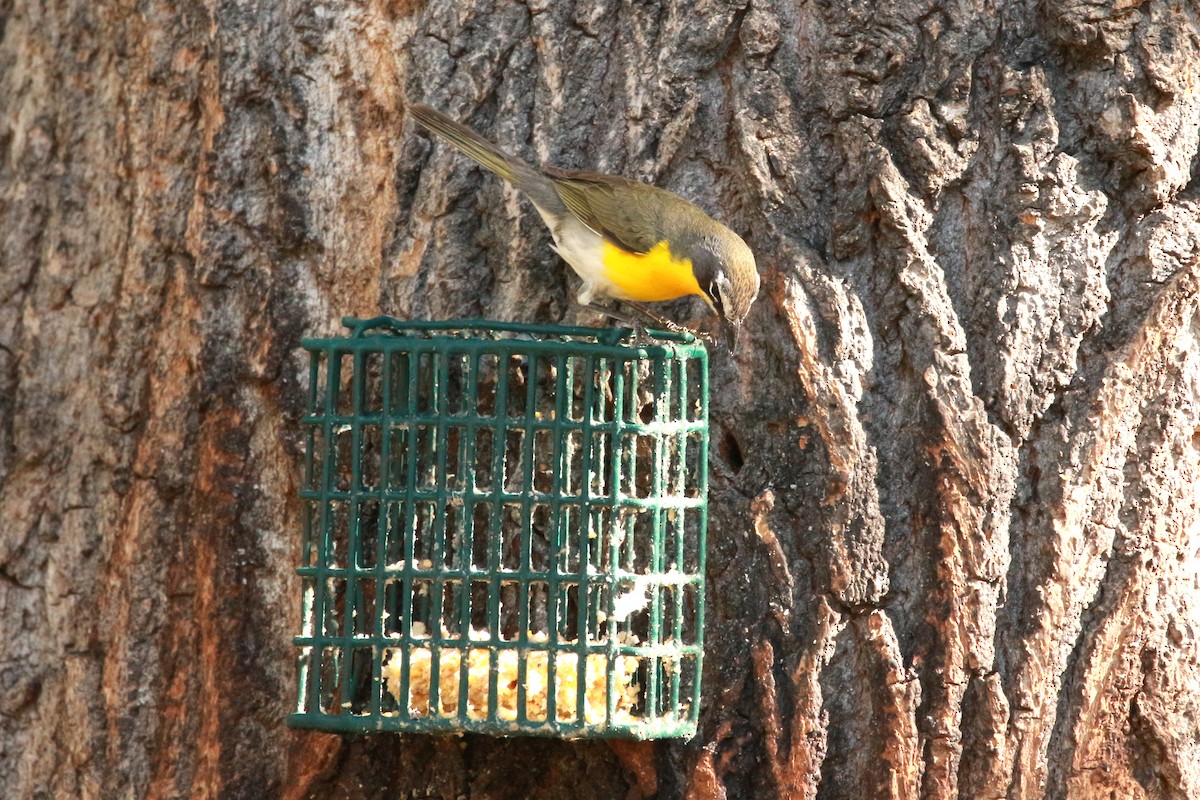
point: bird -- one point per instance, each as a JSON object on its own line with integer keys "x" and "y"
{"x": 626, "y": 240}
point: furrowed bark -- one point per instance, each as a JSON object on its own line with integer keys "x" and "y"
{"x": 954, "y": 537}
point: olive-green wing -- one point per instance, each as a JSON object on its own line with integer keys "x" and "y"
{"x": 628, "y": 214}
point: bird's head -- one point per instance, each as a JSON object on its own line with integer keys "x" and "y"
{"x": 732, "y": 283}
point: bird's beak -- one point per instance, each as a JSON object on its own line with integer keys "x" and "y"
{"x": 732, "y": 329}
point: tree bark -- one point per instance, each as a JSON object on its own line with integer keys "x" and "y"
{"x": 955, "y": 534}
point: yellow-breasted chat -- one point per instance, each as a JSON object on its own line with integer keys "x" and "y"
{"x": 626, "y": 240}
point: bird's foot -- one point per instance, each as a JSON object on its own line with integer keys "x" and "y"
{"x": 650, "y": 318}
{"x": 642, "y": 320}
{"x": 611, "y": 313}
{"x": 632, "y": 322}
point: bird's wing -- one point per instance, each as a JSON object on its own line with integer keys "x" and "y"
{"x": 617, "y": 209}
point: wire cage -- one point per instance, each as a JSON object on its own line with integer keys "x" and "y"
{"x": 503, "y": 530}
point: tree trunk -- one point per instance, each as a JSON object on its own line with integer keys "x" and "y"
{"x": 955, "y": 528}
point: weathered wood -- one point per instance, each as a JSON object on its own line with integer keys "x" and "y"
{"x": 955, "y": 538}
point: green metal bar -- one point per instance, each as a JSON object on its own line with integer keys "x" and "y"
{"x": 662, "y": 386}
{"x": 466, "y": 466}
{"x": 408, "y": 584}
{"x": 616, "y": 522}
{"x": 660, "y": 350}
{"x": 381, "y": 640}
{"x": 678, "y": 523}
{"x": 570, "y": 539}
{"x": 585, "y": 548}
{"x": 495, "y": 544}
{"x": 462, "y": 549}
{"x": 499, "y": 458}
{"x": 357, "y": 724}
{"x": 360, "y": 327}
{"x": 702, "y": 539}
{"x": 353, "y": 523}
{"x": 598, "y": 361}
{"x": 438, "y": 555}
{"x": 321, "y": 585}
{"x": 526, "y": 557}
{"x": 561, "y": 461}
{"x": 517, "y": 497}
{"x": 308, "y": 676}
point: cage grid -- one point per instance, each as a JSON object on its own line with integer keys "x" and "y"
{"x": 503, "y": 530}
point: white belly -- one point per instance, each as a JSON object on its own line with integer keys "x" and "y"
{"x": 582, "y": 248}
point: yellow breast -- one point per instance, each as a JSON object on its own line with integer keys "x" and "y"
{"x": 649, "y": 277}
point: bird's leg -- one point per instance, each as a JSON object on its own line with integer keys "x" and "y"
{"x": 633, "y": 321}
{"x": 613, "y": 313}
{"x": 638, "y": 315}
{"x": 663, "y": 324}
{"x": 653, "y": 319}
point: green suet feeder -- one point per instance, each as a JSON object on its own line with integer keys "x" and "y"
{"x": 504, "y": 530}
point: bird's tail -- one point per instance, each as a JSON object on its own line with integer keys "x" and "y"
{"x": 509, "y": 167}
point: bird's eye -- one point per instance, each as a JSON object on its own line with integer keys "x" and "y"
{"x": 715, "y": 295}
